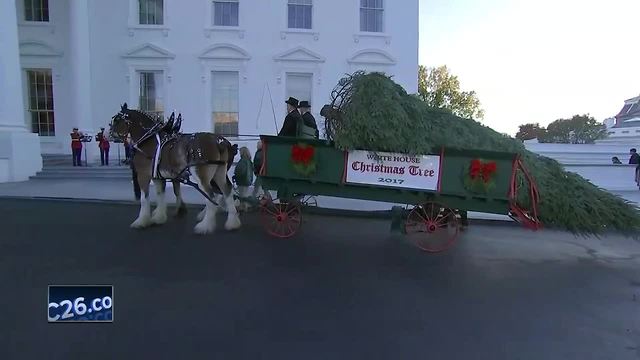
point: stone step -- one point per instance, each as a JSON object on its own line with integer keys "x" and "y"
{"x": 63, "y": 168}
{"x": 60, "y": 175}
{"x": 92, "y": 176}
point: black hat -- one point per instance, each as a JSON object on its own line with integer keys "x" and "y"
{"x": 75, "y": 128}
{"x": 101, "y": 128}
{"x": 292, "y": 101}
{"x": 304, "y": 104}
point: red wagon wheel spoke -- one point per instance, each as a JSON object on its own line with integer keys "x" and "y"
{"x": 442, "y": 221}
{"x": 266, "y": 209}
{"x": 423, "y": 218}
{"x": 435, "y": 234}
{"x": 427, "y": 215}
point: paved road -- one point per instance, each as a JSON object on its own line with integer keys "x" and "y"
{"x": 346, "y": 290}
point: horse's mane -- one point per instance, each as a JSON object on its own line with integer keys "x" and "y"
{"x": 150, "y": 117}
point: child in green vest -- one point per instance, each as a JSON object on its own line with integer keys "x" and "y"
{"x": 243, "y": 177}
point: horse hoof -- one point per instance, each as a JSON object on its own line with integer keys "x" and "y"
{"x": 141, "y": 223}
{"x": 159, "y": 219}
{"x": 203, "y": 228}
{"x": 233, "y": 223}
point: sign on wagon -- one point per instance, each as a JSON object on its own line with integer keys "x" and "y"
{"x": 393, "y": 169}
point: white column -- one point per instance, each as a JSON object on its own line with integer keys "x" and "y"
{"x": 80, "y": 75}
{"x": 19, "y": 148}
{"x": 11, "y": 102}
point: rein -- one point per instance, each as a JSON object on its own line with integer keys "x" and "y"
{"x": 151, "y": 132}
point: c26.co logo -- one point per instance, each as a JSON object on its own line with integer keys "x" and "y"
{"x": 78, "y": 307}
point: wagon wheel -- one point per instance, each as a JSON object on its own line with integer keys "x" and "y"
{"x": 432, "y": 227}
{"x": 280, "y": 218}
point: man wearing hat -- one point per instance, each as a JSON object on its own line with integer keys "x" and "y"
{"x": 290, "y": 125}
{"x": 103, "y": 145}
{"x": 76, "y": 147}
{"x": 309, "y": 120}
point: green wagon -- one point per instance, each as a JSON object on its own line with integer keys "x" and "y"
{"x": 437, "y": 188}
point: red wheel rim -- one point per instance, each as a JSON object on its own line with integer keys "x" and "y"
{"x": 281, "y": 220}
{"x": 432, "y": 227}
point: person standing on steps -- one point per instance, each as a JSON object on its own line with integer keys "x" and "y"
{"x": 76, "y": 147}
{"x": 103, "y": 145}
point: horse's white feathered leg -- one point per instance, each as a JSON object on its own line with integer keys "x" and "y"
{"x": 144, "y": 217}
{"x": 233, "y": 220}
{"x": 159, "y": 215}
{"x": 203, "y": 175}
{"x": 201, "y": 213}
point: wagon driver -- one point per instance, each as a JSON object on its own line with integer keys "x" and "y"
{"x": 309, "y": 120}
{"x": 290, "y": 125}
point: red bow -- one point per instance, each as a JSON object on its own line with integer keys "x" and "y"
{"x": 301, "y": 154}
{"x": 484, "y": 170}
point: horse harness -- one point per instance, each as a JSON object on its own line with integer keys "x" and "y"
{"x": 171, "y": 140}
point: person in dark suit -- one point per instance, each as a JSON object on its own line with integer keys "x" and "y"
{"x": 634, "y": 159}
{"x": 290, "y": 125}
{"x": 307, "y": 117}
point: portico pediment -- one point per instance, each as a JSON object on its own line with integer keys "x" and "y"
{"x": 148, "y": 51}
{"x": 38, "y": 48}
{"x": 372, "y": 56}
{"x": 299, "y": 54}
{"x": 224, "y": 52}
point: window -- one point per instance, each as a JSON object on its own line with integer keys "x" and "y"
{"x": 371, "y": 12}
{"x": 225, "y": 13}
{"x": 36, "y": 10}
{"x": 225, "y": 99}
{"x": 151, "y": 100}
{"x": 41, "y": 102}
{"x": 299, "y": 86}
{"x": 151, "y": 12}
{"x": 299, "y": 14}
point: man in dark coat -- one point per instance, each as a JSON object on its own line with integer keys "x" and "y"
{"x": 290, "y": 125}
{"x": 309, "y": 120}
{"x": 634, "y": 159}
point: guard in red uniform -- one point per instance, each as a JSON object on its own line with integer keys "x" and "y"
{"x": 103, "y": 145}
{"x": 76, "y": 147}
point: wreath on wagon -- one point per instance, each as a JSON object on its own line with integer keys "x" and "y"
{"x": 303, "y": 159}
{"x": 480, "y": 176}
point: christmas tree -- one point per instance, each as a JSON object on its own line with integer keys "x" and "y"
{"x": 370, "y": 111}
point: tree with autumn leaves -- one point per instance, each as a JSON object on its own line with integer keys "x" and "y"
{"x": 441, "y": 89}
{"x": 580, "y": 129}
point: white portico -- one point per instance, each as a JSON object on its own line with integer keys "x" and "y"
{"x": 226, "y": 65}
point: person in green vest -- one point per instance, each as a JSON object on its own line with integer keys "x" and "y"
{"x": 243, "y": 177}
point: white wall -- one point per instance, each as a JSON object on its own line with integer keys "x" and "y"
{"x": 332, "y": 48}
{"x": 593, "y": 162}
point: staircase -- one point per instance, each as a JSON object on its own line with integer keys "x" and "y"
{"x": 59, "y": 167}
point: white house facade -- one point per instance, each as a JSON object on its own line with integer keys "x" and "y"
{"x": 72, "y": 63}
